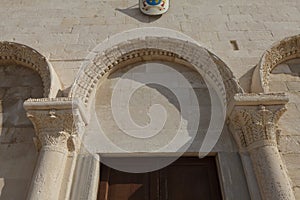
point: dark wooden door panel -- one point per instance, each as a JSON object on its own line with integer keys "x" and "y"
{"x": 190, "y": 178}
{"x": 116, "y": 185}
{"x": 186, "y": 179}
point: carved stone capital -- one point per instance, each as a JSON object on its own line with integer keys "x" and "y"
{"x": 57, "y": 122}
{"x": 255, "y": 124}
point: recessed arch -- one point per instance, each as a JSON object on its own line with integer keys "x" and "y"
{"x": 286, "y": 49}
{"x": 150, "y": 44}
{"x": 15, "y": 53}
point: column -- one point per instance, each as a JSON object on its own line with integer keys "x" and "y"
{"x": 56, "y": 138}
{"x": 254, "y": 127}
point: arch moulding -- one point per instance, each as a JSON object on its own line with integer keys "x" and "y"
{"x": 145, "y": 44}
{"x": 15, "y": 53}
{"x": 280, "y": 52}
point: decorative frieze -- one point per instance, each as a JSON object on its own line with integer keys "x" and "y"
{"x": 154, "y": 48}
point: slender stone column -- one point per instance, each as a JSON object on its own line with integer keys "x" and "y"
{"x": 56, "y": 137}
{"x": 255, "y": 129}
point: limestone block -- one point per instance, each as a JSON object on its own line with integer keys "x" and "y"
{"x": 14, "y": 114}
{"x": 297, "y": 192}
{"x": 230, "y": 9}
{"x": 294, "y": 175}
{"x": 246, "y": 26}
{"x": 17, "y": 93}
{"x": 240, "y": 17}
{"x": 290, "y": 121}
{"x": 294, "y": 97}
{"x": 281, "y": 69}
{"x": 9, "y": 80}
{"x": 279, "y": 26}
{"x": 259, "y": 35}
{"x": 283, "y": 77}
{"x": 278, "y": 86}
{"x": 17, "y": 161}
{"x": 13, "y": 188}
{"x": 292, "y": 161}
{"x": 248, "y": 9}
{"x": 13, "y": 135}
{"x": 36, "y": 92}
{"x": 289, "y": 144}
{"x": 293, "y": 86}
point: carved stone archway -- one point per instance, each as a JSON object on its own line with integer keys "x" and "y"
{"x": 61, "y": 114}
{"x": 141, "y": 45}
{"x": 148, "y": 43}
{"x": 14, "y": 53}
{"x": 280, "y": 52}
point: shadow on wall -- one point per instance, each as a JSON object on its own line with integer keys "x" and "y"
{"x": 135, "y": 13}
{"x": 150, "y": 94}
{"x": 17, "y": 151}
{"x": 246, "y": 79}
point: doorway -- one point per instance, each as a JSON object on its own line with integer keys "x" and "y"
{"x": 187, "y": 178}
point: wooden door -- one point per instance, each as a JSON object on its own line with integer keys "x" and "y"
{"x": 188, "y": 178}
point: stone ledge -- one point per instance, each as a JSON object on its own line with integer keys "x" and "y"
{"x": 63, "y": 104}
{"x": 252, "y": 99}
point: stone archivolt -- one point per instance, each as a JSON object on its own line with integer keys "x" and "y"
{"x": 282, "y": 51}
{"x": 154, "y": 48}
{"x": 14, "y": 53}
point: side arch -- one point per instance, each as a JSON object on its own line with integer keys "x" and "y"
{"x": 15, "y": 53}
{"x": 284, "y": 50}
{"x": 149, "y": 44}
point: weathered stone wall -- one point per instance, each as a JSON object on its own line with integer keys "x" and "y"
{"x": 66, "y": 31}
{"x": 286, "y": 78}
{"x": 192, "y": 95}
{"x": 17, "y": 152}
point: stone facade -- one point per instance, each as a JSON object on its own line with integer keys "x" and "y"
{"x": 252, "y": 48}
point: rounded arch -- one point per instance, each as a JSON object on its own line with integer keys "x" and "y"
{"x": 150, "y": 44}
{"x": 284, "y": 50}
{"x": 15, "y": 53}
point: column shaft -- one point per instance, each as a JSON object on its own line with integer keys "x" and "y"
{"x": 271, "y": 175}
{"x": 47, "y": 178}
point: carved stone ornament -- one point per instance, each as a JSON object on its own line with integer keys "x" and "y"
{"x": 256, "y": 125}
{"x": 56, "y": 121}
{"x": 288, "y": 48}
{"x": 14, "y": 53}
{"x": 154, "y": 7}
{"x": 154, "y": 48}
